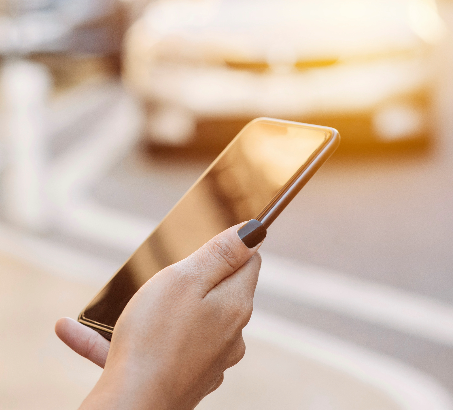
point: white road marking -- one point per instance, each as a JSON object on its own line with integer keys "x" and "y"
{"x": 25, "y": 87}
{"x": 73, "y": 173}
{"x": 409, "y": 387}
{"x": 375, "y": 303}
{"x": 68, "y": 109}
{"x": 55, "y": 258}
{"x": 88, "y": 160}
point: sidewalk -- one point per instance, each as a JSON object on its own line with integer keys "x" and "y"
{"x": 39, "y": 372}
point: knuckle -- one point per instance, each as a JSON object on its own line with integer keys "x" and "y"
{"x": 180, "y": 277}
{"x": 223, "y": 251}
{"x": 90, "y": 347}
{"x": 236, "y": 312}
{"x": 247, "y": 313}
{"x": 255, "y": 264}
{"x": 239, "y": 308}
{"x": 256, "y": 258}
{"x": 242, "y": 349}
{"x": 219, "y": 381}
{"x": 242, "y": 312}
{"x": 239, "y": 351}
{"x": 245, "y": 317}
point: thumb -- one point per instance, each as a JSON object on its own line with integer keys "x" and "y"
{"x": 83, "y": 340}
{"x": 223, "y": 254}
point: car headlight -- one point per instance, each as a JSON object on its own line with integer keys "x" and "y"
{"x": 398, "y": 122}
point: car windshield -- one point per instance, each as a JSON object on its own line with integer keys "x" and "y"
{"x": 311, "y": 27}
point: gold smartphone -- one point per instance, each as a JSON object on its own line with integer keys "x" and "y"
{"x": 255, "y": 177}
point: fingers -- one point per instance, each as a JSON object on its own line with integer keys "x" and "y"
{"x": 237, "y": 352}
{"x": 217, "y": 259}
{"x": 217, "y": 383}
{"x": 241, "y": 285}
{"x": 83, "y": 340}
{"x": 235, "y": 293}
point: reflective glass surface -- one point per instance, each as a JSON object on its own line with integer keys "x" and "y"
{"x": 238, "y": 185}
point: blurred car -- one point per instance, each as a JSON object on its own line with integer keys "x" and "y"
{"x": 204, "y": 68}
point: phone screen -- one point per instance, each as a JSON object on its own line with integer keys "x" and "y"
{"x": 238, "y": 185}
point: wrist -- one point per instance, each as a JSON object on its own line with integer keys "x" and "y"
{"x": 123, "y": 388}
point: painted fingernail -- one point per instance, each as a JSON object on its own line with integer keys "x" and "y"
{"x": 252, "y": 233}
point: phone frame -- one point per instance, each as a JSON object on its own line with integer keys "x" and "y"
{"x": 270, "y": 211}
{"x": 302, "y": 175}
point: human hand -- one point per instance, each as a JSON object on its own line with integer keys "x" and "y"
{"x": 178, "y": 333}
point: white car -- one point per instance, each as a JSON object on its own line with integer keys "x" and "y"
{"x": 203, "y": 68}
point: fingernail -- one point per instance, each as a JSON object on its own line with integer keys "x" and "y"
{"x": 252, "y": 233}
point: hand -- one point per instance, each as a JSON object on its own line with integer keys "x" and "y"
{"x": 179, "y": 332}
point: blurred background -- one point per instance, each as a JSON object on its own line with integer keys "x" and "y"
{"x": 110, "y": 110}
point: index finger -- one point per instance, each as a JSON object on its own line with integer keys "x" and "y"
{"x": 220, "y": 257}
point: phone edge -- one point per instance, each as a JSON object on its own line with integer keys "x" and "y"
{"x": 270, "y": 213}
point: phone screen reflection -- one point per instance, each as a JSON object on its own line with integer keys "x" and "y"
{"x": 239, "y": 184}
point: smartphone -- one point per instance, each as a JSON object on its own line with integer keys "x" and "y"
{"x": 255, "y": 177}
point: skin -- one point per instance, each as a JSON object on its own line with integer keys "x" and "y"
{"x": 178, "y": 334}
